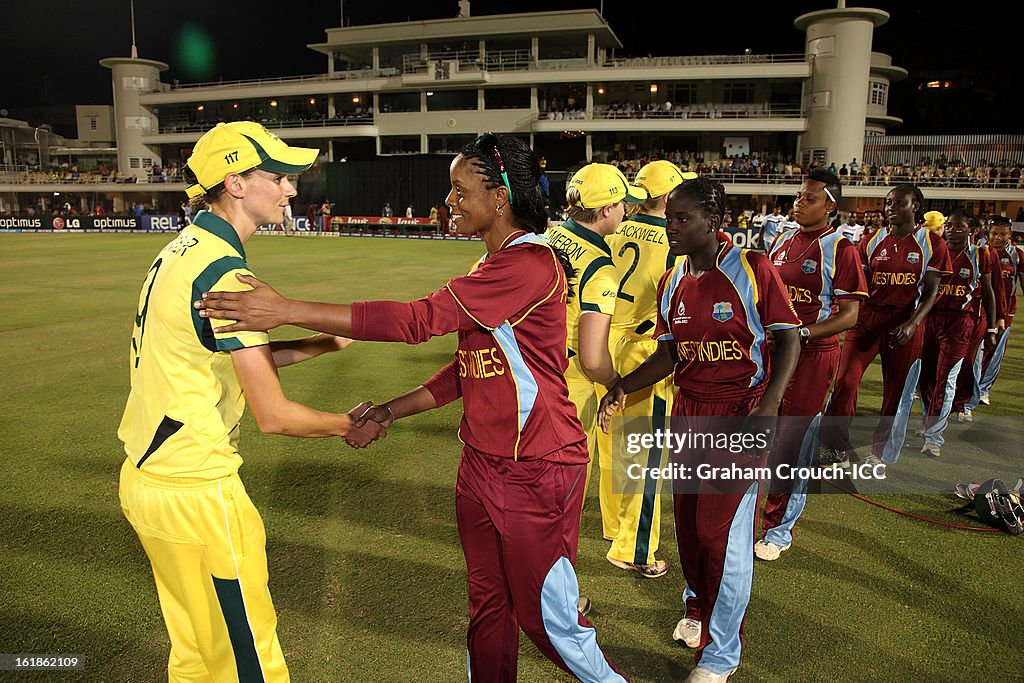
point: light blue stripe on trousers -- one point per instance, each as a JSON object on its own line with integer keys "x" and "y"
{"x": 722, "y": 655}
{"x": 782, "y": 535}
{"x": 576, "y": 644}
{"x": 994, "y": 363}
{"x": 898, "y": 432}
{"x": 934, "y": 433}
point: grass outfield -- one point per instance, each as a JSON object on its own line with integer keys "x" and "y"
{"x": 365, "y": 566}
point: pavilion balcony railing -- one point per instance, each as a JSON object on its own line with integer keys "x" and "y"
{"x": 497, "y": 60}
{"x": 349, "y": 120}
{"x": 702, "y": 60}
{"x": 677, "y": 112}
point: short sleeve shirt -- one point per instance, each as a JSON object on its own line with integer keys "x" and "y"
{"x": 896, "y": 268}
{"x": 960, "y": 290}
{"x": 818, "y": 269}
{"x": 595, "y": 285}
{"x": 182, "y": 414}
{"x": 718, "y": 322}
{"x": 639, "y": 250}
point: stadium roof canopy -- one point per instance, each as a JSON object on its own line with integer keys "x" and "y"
{"x": 527, "y": 25}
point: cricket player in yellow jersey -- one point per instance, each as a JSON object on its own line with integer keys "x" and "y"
{"x": 597, "y": 196}
{"x": 639, "y": 250}
{"x": 179, "y": 484}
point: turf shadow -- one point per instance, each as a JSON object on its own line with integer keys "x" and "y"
{"x": 989, "y": 616}
{"x": 398, "y": 598}
{"x": 355, "y": 492}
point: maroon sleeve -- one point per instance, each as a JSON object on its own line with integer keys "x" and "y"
{"x": 507, "y": 283}
{"x": 444, "y": 386}
{"x": 848, "y": 281}
{"x": 773, "y": 303}
{"x": 940, "y": 255}
{"x": 414, "y": 322}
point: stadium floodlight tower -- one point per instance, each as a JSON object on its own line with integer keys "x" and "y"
{"x": 131, "y": 78}
{"x": 836, "y": 96}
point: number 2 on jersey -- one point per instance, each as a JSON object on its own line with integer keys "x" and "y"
{"x": 635, "y": 248}
{"x": 140, "y": 317}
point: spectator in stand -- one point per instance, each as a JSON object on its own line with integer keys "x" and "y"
{"x": 98, "y": 210}
{"x": 433, "y": 215}
{"x": 844, "y": 173}
{"x": 386, "y": 211}
{"x": 409, "y": 211}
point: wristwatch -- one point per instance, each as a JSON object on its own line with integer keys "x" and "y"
{"x": 805, "y": 335}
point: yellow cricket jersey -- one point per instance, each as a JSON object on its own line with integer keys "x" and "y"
{"x": 182, "y": 415}
{"x": 639, "y": 250}
{"x": 595, "y": 284}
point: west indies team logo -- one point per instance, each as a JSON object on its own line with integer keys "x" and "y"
{"x": 965, "y": 273}
{"x": 809, "y": 266}
{"x": 1005, "y": 261}
{"x": 913, "y": 256}
{"x": 722, "y": 311}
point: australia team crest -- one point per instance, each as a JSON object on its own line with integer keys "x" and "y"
{"x": 809, "y": 266}
{"x": 722, "y": 311}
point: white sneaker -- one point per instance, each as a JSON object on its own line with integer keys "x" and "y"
{"x": 687, "y": 632}
{"x": 965, "y": 416}
{"x": 932, "y": 449}
{"x": 702, "y": 675}
{"x": 984, "y": 400}
{"x": 873, "y": 460}
{"x": 834, "y": 458}
{"x": 769, "y": 551}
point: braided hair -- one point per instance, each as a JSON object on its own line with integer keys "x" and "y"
{"x": 527, "y": 200}
{"x": 523, "y": 170}
{"x": 709, "y": 195}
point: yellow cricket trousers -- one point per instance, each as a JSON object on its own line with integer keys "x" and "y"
{"x": 207, "y": 545}
{"x": 586, "y": 395}
{"x": 632, "y": 522}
